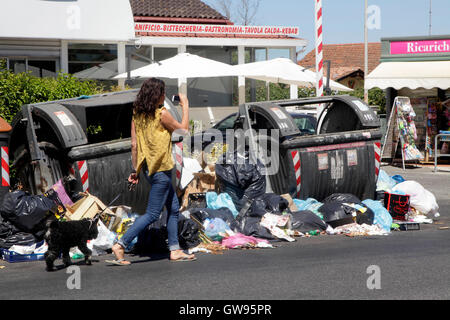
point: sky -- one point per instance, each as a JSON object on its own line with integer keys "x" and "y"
{"x": 343, "y": 20}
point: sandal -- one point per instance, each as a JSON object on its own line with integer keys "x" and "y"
{"x": 118, "y": 262}
{"x": 181, "y": 259}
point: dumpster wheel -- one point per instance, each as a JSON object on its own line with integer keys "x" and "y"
{"x": 25, "y": 168}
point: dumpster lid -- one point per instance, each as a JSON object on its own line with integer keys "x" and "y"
{"x": 278, "y": 117}
{"x": 4, "y": 126}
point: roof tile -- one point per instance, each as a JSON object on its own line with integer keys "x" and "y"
{"x": 345, "y": 58}
{"x": 174, "y": 9}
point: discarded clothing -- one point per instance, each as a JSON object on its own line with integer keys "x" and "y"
{"x": 242, "y": 241}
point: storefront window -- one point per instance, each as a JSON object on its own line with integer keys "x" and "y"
{"x": 38, "y": 68}
{"x": 87, "y": 56}
{"x": 137, "y": 58}
{"x": 164, "y": 53}
{"x": 42, "y": 68}
{"x": 18, "y": 65}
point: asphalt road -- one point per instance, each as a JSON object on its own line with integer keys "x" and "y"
{"x": 412, "y": 265}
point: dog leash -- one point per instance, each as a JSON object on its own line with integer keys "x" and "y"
{"x": 109, "y": 205}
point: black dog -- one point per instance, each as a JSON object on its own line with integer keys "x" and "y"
{"x": 63, "y": 235}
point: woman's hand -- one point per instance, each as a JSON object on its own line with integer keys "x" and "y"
{"x": 133, "y": 178}
{"x": 184, "y": 102}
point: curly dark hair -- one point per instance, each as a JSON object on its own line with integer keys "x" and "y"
{"x": 148, "y": 97}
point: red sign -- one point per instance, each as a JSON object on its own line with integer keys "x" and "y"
{"x": 216, "y": 29}
{"x": 415, "y": 47}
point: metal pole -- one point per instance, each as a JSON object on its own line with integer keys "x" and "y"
{"x": 327, "y": 86}
{"x": 366, "y": 54}
{"x": 429, "y": 27}
{"x": 319, "y": 52}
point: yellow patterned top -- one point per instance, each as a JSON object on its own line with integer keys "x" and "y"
{"x": 154, "y": 144}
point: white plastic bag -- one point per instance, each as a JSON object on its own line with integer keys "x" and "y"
{"x": 105, "y": 239}
{"x": 419, "y": 198}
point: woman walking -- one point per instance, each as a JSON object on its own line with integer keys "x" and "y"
{"x": 151, "y": 152}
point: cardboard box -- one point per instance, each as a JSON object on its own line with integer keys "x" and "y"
{"x": 292, "y": 205}
{"x": 86, "y": 208}
{"x": 202, "y": 182}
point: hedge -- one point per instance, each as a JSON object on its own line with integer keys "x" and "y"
{"x": 24, "y": 88}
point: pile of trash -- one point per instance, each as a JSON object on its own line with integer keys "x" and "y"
{"x": 24, "y": 220}
{"x": 224, "y": 206}
{"x": 407, "y": 201}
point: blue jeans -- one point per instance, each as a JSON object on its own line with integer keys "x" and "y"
{"x": 161, "y": 193}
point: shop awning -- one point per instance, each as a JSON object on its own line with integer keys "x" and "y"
{"x": 413, "y": 75}
{"x": 88, "y": 20}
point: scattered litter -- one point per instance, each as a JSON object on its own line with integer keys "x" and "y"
{"x": 279, "y": 226}
{"x": 354, "y": 229}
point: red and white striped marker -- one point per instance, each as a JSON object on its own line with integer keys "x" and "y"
{"x": 5, "y": 167}
{"x": 297, "y": 165}
{"x": 377, "y": 148}
{"x": 178, "y": 161}
{"x": 82, "y": 168}
{"x": 319, "y": 48}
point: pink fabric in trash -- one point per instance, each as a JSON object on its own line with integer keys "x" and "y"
{"x": 62, "y": 195}
{"x": 239, "y": 240}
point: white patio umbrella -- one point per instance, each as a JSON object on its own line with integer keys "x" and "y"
{"x": 283, "y": 70}
{"x": 183, "y": 65}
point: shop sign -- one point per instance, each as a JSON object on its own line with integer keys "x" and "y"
{"x": 216, "y": 29}
{"x": 420, "y": 47}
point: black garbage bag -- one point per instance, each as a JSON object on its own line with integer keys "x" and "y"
{"x": 7, "y": 229}
{"x": 188, "y": 234}
{"x": 223, "y": 213}
{"x": 343, "y": 197}
{"x": 268, "y": 203}
{"x": 337, "y": 213}
{"x": 19, "y": 238}
{"x": 26, "y": 211}
{"x": 237, "y": 176}
{"x": 305, "y": 221}
{"x": 251, "y": 226}
{"x": 153, "y": 239}
{"x": 366, "y": 217}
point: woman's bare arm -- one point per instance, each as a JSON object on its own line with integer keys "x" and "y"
{"x": 133, "y": 146}
{"x": 133, "y": 178}
{"x": 170, "y": 123}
